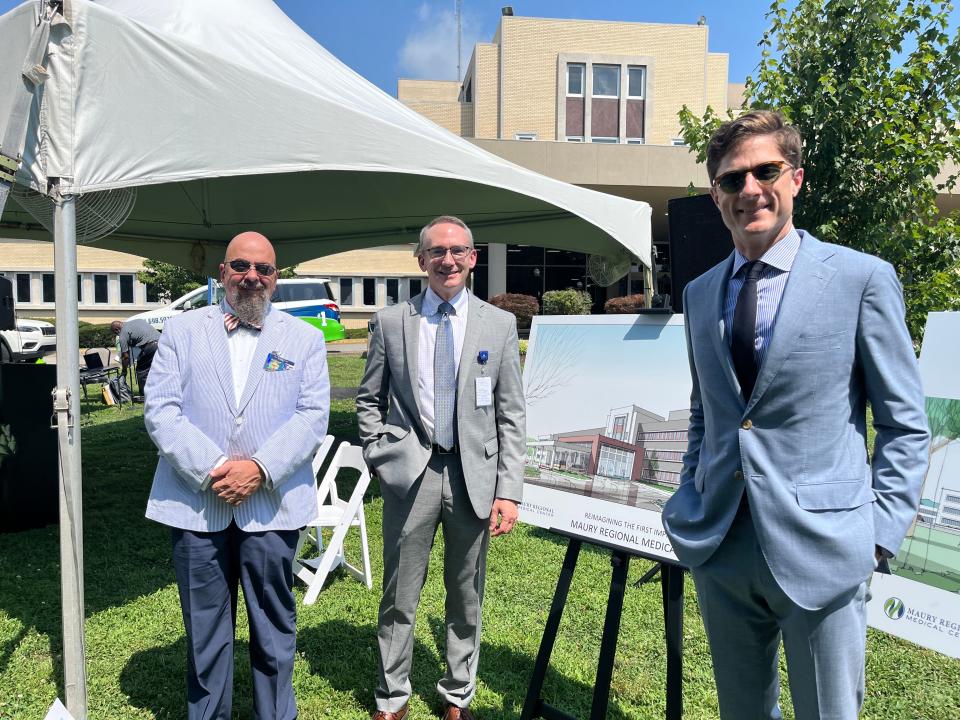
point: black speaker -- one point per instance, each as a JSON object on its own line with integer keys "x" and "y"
{"x": 698, "y": 241}
{"x": 7, "y": 320}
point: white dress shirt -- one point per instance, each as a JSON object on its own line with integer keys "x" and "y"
{"x": 242, "y": 344}
{"x": 429, "y": 321}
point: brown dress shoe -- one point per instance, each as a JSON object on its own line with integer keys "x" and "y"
{"x": 457, "y": 713}
{"x": 384, "y": 715}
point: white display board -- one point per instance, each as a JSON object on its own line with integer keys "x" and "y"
{"x": 920, "y": 602}
{"x": 608, "y": 400}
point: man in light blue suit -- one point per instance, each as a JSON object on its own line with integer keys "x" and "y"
{"x": 237, "y": 402}
{"x": 780, "y": 513}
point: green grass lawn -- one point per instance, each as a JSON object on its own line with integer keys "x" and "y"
{"x": 135, "y": 642}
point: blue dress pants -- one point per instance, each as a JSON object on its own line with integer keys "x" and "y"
{"x": 209, "y": 567}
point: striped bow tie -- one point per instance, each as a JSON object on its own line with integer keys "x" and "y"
{"x": 232, "y": 322}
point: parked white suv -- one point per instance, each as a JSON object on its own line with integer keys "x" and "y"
{"x": 310, "y": 299}
{"x": 31, "y": 339}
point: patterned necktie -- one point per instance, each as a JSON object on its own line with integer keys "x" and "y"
{"x": 743, "y": 343}
{"x": 444, "y": 380}
{"x": 232, "y": 322}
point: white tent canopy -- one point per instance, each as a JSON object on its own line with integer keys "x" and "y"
{"x": 226, "y": 116}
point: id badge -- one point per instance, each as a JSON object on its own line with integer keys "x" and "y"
{"x": 484, "y": 392}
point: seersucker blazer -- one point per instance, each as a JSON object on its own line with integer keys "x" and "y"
{"x": 798, "y": 446}
{"x": 193, "y": 419}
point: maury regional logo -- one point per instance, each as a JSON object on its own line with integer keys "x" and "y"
{"x": 894, "y": 608}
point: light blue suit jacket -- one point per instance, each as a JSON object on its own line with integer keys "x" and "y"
{"x": 193, "y": 419}
{"x": 798, "y": 446}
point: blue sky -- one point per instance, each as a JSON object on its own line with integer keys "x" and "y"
{"x": 387, "y": 39}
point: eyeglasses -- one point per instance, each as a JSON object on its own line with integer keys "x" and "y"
{"x": 765, "y": 173}
{"x": 243, "y": 266}
{"x": 457, "y": 252}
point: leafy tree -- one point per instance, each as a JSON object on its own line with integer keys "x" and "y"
{"x": 879, "y": 123}
{"x": 170, "y": 281}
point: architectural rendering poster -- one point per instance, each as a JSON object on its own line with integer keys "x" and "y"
{"x": 920, "y": 601}
{"x": 608, "y": 402}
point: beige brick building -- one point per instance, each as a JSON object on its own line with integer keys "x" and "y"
{"x": 578, "y": 80}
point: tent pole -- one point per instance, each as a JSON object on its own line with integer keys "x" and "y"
{"x": 66, "y": 403}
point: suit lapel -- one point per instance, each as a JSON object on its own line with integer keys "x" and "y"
{"x": 268, "y": 341}
{"x": 717, "y": 294}
{"x": 471, "y": 339}
{"x": 411, "y": 346}
{"x": 808, "y": 277}
{"x": 217, "y": 338}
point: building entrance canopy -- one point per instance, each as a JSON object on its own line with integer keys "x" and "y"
{"x": 226, "y": 116}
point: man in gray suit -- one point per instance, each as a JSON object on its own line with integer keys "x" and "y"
{"x": 442, "y": 421}
{"x": 237, "y": 402}
{"x": 780, "y": 513}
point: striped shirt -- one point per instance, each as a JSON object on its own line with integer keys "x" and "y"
{"x": 770, "y": 286}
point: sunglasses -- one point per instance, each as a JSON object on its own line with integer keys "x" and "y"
{"x": 243, "y": 266}
{"x": 765, "y": 173}
{"x": 458, "y": 252}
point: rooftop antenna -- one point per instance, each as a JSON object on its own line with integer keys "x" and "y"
{"x": 459, "y": 36}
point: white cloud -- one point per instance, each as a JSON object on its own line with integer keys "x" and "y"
{"x": 429, "y": 52}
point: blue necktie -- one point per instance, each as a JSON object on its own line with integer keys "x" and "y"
{"x": 444, "y": 380}
{"x": 743, "y": 343}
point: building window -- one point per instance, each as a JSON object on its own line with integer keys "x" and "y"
{"x": 615, "y": 463}
{"x": 100, "y": 289}
{"x": 416, "y": 286}
{"x": 950, "y": 522}
{"x": 951, "y": 510}
{"x": 152, "y": 294}
{"x": 574, "y": 138}
{"x": 369, "y": 291}
{"x": 79, "y": 289}
{"x": 678, "y": 142}
{"x": 607, "y": 140}
{"x": 393, "y": 291}
{"x": 23, "y": 287}
{"x": 620, "y": 427}
{"x": 466, "y": 95}
{"x": 346, "y": 291}
{"x": 606, "y": 81}
{"x": 953, "y": 498}
{"x": 636, "y": 82}
{"x": 636, "y": 141}
{"x": 575, "y": 74}
{"x": 49, "y": 294}
{"x": 525, "y": 136}
{"x": 126, "y": 289}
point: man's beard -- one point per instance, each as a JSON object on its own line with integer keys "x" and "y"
{"x": 250, "y": 303}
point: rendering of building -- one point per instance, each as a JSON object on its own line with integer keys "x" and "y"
{"x": 635, "y": 445}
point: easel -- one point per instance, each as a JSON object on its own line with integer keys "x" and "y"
{"x": 671, "y": 582}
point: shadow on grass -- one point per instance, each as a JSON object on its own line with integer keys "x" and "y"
{"x": 155, "y": 680}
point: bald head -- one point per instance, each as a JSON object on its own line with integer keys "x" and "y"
{"x": 115, "y": 326}
{"x": 248, "y": 244}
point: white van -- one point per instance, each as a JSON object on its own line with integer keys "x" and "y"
{"x": 310, "y": 299}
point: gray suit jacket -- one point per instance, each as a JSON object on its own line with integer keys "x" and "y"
{"x": 818, "y": 502}
{"x": 193, "y": 419}
{"x": 491, "y": 440}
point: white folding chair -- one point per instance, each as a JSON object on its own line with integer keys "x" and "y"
{"x": 340, "y": 516}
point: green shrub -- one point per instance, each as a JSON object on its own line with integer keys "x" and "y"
{"x": 524, "y": 307}
{"x": 94, "y": 336}
{"x": 523, "y": 347}
{"x": 627, "y": 305}
{"x": 566, "y": 302}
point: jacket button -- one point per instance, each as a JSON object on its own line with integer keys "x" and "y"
{"x": 747, "y": 424}
{"x": 239, "y": 421}
{"x": 738, "y": 475}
